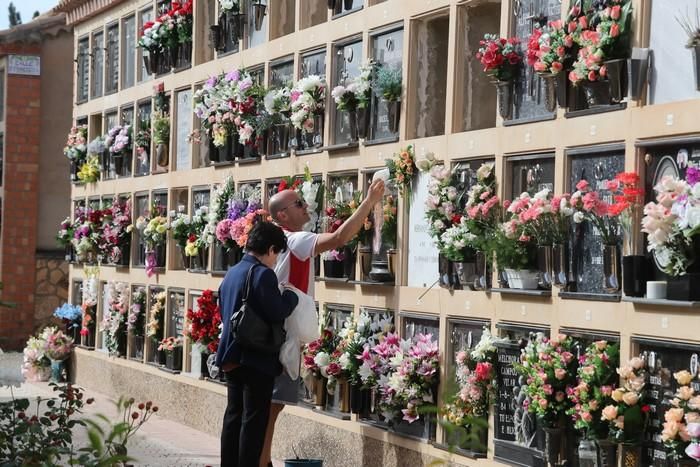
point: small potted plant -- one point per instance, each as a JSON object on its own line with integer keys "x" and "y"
{"x": 172, "y": 346}
{"x": 388, "y": 82}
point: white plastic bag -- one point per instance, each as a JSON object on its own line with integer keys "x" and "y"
{"x": 290, "y": 356}
{"x": 303, "y": 322}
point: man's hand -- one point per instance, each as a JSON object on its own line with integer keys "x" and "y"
{"x": 376, "y": 191}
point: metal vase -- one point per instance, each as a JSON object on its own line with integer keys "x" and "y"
{"x": 445, "y": 271}
{"x": 611, "y": 268}
{"x": 696, "y": 65}
{"x": 560, "y": 265}
{"x": 597, "y": 93}
{"x": 504, "y": 92}
{"x": 391, "y": 259}
{"x": 365, "y": 254}
{"x": 483, "y": 272}
{"x": 362, "y": 122}
{"x": 550, "y": 91}
{"x": 394, "y": 114}
{"x": 162, "y": 154}
{"x": 545, "y": 263}
{"x": 638, "y": 72}
{"x": 562, "y": 88}
{"x": 465, "y": 273}
{"x": 630, "y": 455}
{"x": 607, "y": 453}
{"x": 185, "y": 56}
{"x": 234, "y": 26}
{"x": 216, "y": 37}
{"x": 553, "y": 445}
{"x": 587, "y": 453}
{"x": 617, "y": 78}
{"x": 319, "y": 120}
{"x": 259, "y": 10}
{"x": 634, "y": 280}
{"x": 352, "y": 125}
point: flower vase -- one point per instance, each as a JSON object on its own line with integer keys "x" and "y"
{"x": 58, "y": 370}
{"x": 319, "y": 392}
{"x": 342, "y": 390}
{"x": 199, "y": 262}
{"x": 185, "y": 54}
{"x": 319, "y": 120}
{"x": 587, "y": 453}
{"x": 696, "y": 65}
{"x": 597, "y": 93}
{"x": 173, "y": 359}
{"x": 611, "y": 268}
{"x": 331, "y": 4}
{"x": 234, "y": 23}
{"x": 617, "y": 78}
{"x": 522, "y": 279}
{"x": 560, "y": 265}
{"x": 504, "y": 91}
{"x": 394, "y": 115}
{"x": 360, "y": 400}
{"x": 445, "y": 272}
{"x": 545, "y": 262}
{"x": 483, "y": 272}
{"x": 607, "y": 453}
{"x": 137, "y": 342}
{"x": 365, "y": 253}
{"x": 333, "y": 269}
{"x": 162, "y": 155}
{"x": 352, "y": 125}
{"x": 225, "y": 151}
{"x": 362, "y": 122}
{"x": 634, "y": 280}
{"x": 630, "y": 455}
{"x": 550, "y": 91}
{"x": 259, "y": 12}
{"x": 684, "y": 463}
{"x": 553, "y": 445}
{"x": 391, "y": 259}
{"x": 216, "y": 38}
{"x": 174, "y": 52}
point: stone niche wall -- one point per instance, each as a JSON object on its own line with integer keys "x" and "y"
{"x": 51, "y": 286}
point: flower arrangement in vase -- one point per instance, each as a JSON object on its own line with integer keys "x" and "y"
{"x": 671, "y": 223}
{"x": 89, "y": 305}
{"x": 549, "y": 52}
{"x": 71, "y": 316}
{"x": 135, "y": 321}
{"x": 501, "y": 59}
{"x": 172, "y": 347}
{"x": 204, "y": 322}
{"x": 466, "y": 412}
{"x": 76, "y": 149}
{"x": 36, "y": 365}
{"x": 628, "y": 414}
{"x": 153, "y": 227}
{"x": 240, "y": 204}
{"x": 156, "y": 316}
{"x": 317, "y": 366}
{"x": 596, "y": 380}
{"x": 388, "y": 84}
{"x": 402, "y": 169}
{"x": 681, "y": 428}
{"x": 58, "y": 348}
{"x": 114, "y": 321}
{"x": 411, "y": 381}
{"x": 116, "y": 231}
{"x": 308, "y": 99}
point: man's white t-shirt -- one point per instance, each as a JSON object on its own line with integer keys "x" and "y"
{"x": 296, "y": 265}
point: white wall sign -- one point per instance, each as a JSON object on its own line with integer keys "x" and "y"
{"x": 24, "y": 65}
{"x": 183, "y": 129}
{"x": 422, "y": 252}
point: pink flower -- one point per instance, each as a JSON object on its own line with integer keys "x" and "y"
{"x": 614, "y": 30}
{"x": 560, "y": 373}
{"x": 693, "y": 430}
{"x": 557, "y": 67}
{"x": 693, "y": 451}
{"x": 582, "y": 185}
{"x": 543, "y": 403}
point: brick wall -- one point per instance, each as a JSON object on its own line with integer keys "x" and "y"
{"x": 20, "y": 205}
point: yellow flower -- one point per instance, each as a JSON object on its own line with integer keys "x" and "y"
{"x": 191, "y": 249}
{"x": 683, "y": 377}
{"x": 161, "y": 228}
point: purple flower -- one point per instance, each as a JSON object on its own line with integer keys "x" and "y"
{"x": 211, "y": 82}
{"x": 692, "y": 175}
{"x": 236, "y": 209}
{"x": 233, "y": 75}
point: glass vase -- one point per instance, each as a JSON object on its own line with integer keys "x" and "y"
{"x": 545, "y": 262}
{"x": 611, "y": 268}
{"x": 560, "y": 266}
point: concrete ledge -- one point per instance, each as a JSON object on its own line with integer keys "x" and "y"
{"x": 300, "y": 431}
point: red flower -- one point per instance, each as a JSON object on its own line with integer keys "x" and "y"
{"x": 646, "y": 409}
{"x": 282, "y": 186}
{"x": 192, "y": 238}
{"x": 483, "y": 371}
{"x": 456, "y": 219}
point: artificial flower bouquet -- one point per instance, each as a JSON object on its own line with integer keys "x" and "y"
{"x": 204, "y": 322}
{"x": 316, "y": 356}
{"x": 402, "y": 169}
{"x": 442, "y": 209}
{"x": 89, "y": 305}
{"x": 154, "y": 227}
{"x": 389, "y": 227}
{"x": 36, "y": 365}
{"x": 170, "y": 344}
{"x": 118, "y": 140}
{"x": 116, "y": 230}
{"x": 681, "y": 428}
{"x": 482, "y": 209}
{"x": 412, "y": 379}
{"x": 76, "y": 144}
{"x": 500, "y": 57}
{"x": 543, "y": 218}
{"x": 596, "y": 380}
{"x": 278, "y": 104}
{"x": 114, "y": 320}
{"x": 549, "y": 48}
{"x": 590, "y": 206}
{"x": 627, "y": 415}
{"x": 549, "y": 368}
{"x": 90, "y": 171}
{"x": 628, "y": 199}
{"x": 135, "y": 321}
{"x": 475, "y": 375}
{"x": 240, "y": 204}
{"x": 58, "y": 346}
{"x": 672, "y": 222}
{"x": 70, "y": 314}
{"x": 156, "y": 316}
{"x": 308, "y": 98}
{"x": 65, "y": 233}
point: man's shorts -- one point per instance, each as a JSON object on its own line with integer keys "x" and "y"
{"x": 286, "y": 390}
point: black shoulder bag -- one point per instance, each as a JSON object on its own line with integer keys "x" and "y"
{"x": 251, "y": 331}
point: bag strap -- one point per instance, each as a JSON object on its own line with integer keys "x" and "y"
{"x": 247, "y": 283}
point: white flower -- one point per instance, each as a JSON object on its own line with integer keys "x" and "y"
{"x": 484, "y": 171}
{"x": 542, "y": 194}
{"x": 579, "y": 217}
{"x": 344, "y": 361}
{"x": 322, "y": 359}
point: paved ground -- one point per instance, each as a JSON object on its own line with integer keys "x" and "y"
{"x": 159, "y": 442}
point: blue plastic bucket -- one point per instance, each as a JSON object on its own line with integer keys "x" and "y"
{"x": 303, "y": 462}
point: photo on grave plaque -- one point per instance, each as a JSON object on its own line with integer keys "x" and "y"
{"x": 597, "y": 168}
